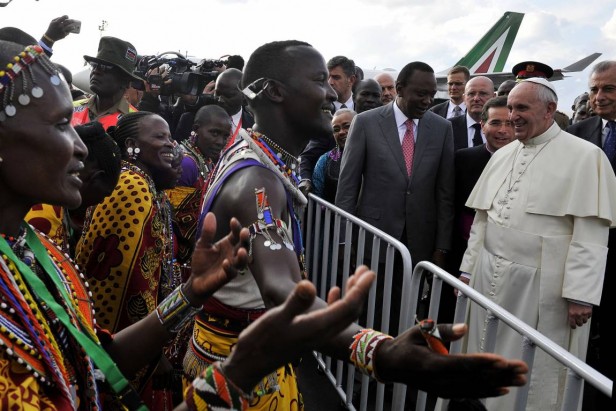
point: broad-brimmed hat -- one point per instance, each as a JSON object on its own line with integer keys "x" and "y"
{"x": 116, "y": 52}
{"x": 528, "y": 69}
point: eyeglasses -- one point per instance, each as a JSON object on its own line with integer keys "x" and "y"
{"x": 481, "y": 94}
{"x": 101, "y": 66}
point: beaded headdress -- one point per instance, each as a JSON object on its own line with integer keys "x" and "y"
{"x": 22, "y": 63}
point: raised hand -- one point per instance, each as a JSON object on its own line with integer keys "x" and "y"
{"x": 409, "y": 360}
{"x": 59, "y": 28}
{"x": 287, "y": 331}
{"x": 215, "y": 264}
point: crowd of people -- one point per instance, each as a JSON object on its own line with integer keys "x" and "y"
{"x": 152, "y": 250}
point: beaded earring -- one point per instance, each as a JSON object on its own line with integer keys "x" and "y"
{"x": 133, "y": 152}
{"x": 21, "y": 65}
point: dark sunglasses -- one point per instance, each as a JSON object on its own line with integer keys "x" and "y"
{"x": 101, "y": 66}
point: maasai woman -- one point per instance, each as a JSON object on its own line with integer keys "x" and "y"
{"x": 99, "y": 176}
{"x": 211, "y": 129}
{"x": 127, "y": 250}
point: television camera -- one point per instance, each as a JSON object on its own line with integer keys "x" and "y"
{"x": 177, "y": 74}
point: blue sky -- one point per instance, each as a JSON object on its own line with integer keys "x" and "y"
{"x": 388, "y": 33}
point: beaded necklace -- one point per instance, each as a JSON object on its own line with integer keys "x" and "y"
{"x": 33, "y": 329}
{"x": 12, "y": 240}
{"x": 204, "y": 165}
{"x": 282, "y": 154}
{"x": 287, "y": 168}
{"x": 170, "y": 277}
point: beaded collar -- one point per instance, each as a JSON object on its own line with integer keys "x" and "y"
{"x": 281, "y": 153}
{"x": 272, "y": 161}
{"x": 269, "y": 158}
{"x": 135, "y": 169}
{"x": 37, "y": 339}
{"x": 204, "y": 165}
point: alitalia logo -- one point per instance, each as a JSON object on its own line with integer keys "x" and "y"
{"x": 487, "y": 62}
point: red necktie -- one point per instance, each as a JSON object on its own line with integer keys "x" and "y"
{"x": 408, "y": 145}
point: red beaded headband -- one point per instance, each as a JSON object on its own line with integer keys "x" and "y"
{"x": 22, "y": 63}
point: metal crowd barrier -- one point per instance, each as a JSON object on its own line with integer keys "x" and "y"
{"x": 577, "y": 370}
{"x": 327, "y": 225}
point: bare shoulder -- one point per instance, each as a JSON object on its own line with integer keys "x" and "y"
{"x": 238, "y": 195}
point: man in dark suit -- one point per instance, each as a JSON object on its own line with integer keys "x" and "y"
{"x": 408, "y": 196}
{"x": 469, "y": 164}
{"x": 367, "y": 95}
{"x": 456, "y": 81}
{"x": 230, "y": 98}
{"x": 467, "y": 129}
{"x": 601, "y": 130}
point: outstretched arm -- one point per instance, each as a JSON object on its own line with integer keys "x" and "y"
{"x": 409, "y": 360}
{"x": 291, "y": 329}
{"x": 213, "y": 265}
{"x": 280, "y": 336}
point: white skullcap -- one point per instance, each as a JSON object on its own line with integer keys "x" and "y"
{"x": 540, "y": 80}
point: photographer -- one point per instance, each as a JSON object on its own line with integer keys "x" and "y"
{"x": 227, "y": 95}
{"x": 174, "y": 86}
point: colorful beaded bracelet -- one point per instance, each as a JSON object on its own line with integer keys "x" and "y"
{"x": 213, "y": 391}
{"x": 365, "y": 344}
{"x": 175, "y": 310}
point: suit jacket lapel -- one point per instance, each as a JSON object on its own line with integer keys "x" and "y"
{"x": 390, "y": 131}
{"x": 596, "y": 133}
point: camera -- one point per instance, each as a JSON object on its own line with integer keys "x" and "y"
{"x": 183, "y": 75}
{"x": 208, "y": 68}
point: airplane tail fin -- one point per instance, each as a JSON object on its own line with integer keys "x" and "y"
{"x": 581, "y": 64}
{"x": 491, "y": 52}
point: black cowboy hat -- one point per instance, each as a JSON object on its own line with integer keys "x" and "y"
{"x": 118, "y": 53}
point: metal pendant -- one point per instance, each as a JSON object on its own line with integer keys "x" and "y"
{"x": 23, "y": 99}
{"x": 10, "y": 110}
{"x": 37, "y": 92}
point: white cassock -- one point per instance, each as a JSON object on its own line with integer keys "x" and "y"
{"x": 538, "y": 240}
